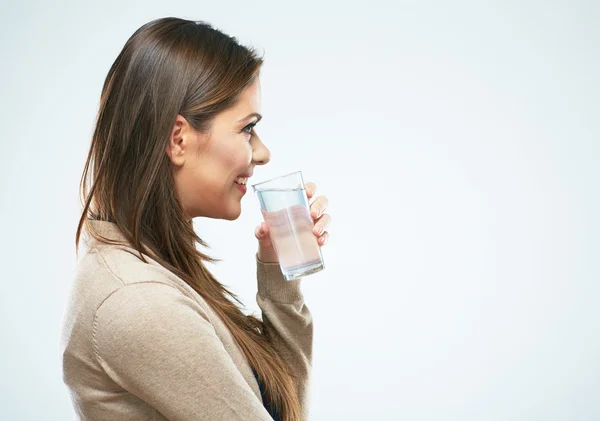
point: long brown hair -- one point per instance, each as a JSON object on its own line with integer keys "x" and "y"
{"x": 173, "y": 66}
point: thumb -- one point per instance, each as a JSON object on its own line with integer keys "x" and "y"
{"x": 262, "y": 231}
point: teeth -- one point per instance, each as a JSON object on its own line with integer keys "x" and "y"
{"x": 241, "y": 180}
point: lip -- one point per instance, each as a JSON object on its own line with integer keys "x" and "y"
{"x": 241, "y": 187}
{"x": 245, "y": 175}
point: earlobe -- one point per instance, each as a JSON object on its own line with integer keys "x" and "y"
{"x": 176, "y": 155}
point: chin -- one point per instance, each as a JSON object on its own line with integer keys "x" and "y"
{"x": 233, "y": 214}
{"x": 227, "y": 216}
{"x": 231, "y": 218}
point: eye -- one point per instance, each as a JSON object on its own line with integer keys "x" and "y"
{"x": 249, "y": 127}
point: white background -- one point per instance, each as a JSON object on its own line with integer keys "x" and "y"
{"x": 458, "y": 144}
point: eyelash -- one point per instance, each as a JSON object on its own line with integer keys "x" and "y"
{"x": 248, "y": 128}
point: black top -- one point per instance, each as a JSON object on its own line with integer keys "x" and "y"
{"x": 272, "y": 411}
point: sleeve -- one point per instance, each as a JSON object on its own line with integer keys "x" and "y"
{"x": 158, "y": 344}
{"x": 289, "y": 323}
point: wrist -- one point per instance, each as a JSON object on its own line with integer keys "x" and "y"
{"x": 267, "y": 257}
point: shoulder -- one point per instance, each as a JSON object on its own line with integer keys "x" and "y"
{"x": 144, "y": 316}
{"x": 106, "y": 268}
{"x": 138, "y": 304}
{"x": 114, "y": 280}
{"x": 124, "y": 264}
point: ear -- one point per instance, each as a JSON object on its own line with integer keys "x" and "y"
{"x": 179, "y": 141}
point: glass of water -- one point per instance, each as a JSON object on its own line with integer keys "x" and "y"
{"x": 285, "y": 209}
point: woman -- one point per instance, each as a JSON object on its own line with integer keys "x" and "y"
{"x": 150, "y": 334}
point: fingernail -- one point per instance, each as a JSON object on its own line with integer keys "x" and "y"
{"x": 319, "y": 230}
{"x": 315, "y": 213}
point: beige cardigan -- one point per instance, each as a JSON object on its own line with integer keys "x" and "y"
{"x": 138, "y": 343}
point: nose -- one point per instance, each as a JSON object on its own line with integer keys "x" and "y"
{"x": 260, "y": 153}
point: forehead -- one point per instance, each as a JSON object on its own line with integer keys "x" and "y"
{"x": 249, "y": 101}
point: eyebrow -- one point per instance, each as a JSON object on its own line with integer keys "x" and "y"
{"x": 257, "y": 115}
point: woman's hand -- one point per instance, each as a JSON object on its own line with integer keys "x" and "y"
{"x": 266, "y": 251}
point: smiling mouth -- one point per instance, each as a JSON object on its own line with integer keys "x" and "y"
{"x": 241, "y": 188}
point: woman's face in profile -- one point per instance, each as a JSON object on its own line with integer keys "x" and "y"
{"x": 205, "y": 166}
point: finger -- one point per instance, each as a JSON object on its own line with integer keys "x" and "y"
{"x": 322, "y": 240}
{"x": 261, "y": 231}
{"x": 322, "y": 224}
{"x": 258, "y": 232}
{"x": 311, "y": 189}
{"x": 319, "y": 206}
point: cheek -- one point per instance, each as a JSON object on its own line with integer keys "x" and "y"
{"x": 216, "y": 170}
{"x": 238, "y": 159}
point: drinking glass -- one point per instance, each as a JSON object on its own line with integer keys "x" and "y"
{"x": 285, "y": 209}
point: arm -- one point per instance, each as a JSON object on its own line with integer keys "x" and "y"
{"x": 289, "y": 323}
{"x": 158, "y": 344}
